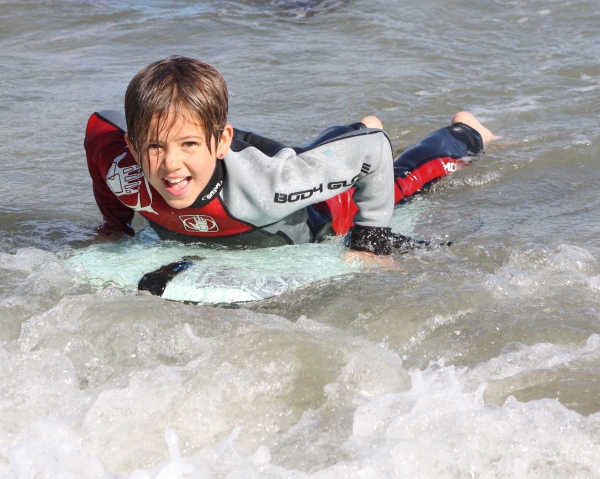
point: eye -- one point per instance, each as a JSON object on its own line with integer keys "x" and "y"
{"x": 154, "y": 148}
{"x": 189, "y": 144}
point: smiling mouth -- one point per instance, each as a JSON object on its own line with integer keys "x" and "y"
{"x": 176, "y": 185}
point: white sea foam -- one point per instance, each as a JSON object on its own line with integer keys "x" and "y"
{"x": 533, "y": 268}
{"x": 258, "y": 398}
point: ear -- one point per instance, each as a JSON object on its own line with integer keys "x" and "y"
{"x": 132, "y": 149}
{"x": 225, "y": 141}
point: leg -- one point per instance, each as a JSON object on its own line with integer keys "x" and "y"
{"x": 334, "y": 131}
{"x": 372, "y": 122}
{"x": 464, "y": 117}
{"x": 439, "y": 154}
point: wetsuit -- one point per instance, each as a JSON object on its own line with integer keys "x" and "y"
{"x": 266, "y": 194}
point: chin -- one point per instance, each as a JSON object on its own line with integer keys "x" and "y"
{"x": 179, "y": 204}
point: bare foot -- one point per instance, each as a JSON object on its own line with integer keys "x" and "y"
{"x": 372, "y": 122}
{"x": 467, "y": 118}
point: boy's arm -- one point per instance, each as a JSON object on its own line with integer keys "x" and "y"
{"x": 264, "y": 188}
{"x": 103, "y": 142}
{"x": 374, "y": 198}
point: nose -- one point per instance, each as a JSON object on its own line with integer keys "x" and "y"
{"x": 171, "y": 160}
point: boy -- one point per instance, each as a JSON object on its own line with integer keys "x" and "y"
{"x": 176, "y": 161}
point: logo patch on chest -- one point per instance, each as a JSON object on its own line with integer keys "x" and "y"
{"x": 199, "y": 223}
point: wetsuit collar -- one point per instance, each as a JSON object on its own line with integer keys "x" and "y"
{"x": 212, "y": 188}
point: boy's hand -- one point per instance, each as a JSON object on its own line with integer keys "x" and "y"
{"x": 110, "y": 231}
{"x": 368, "y": 259}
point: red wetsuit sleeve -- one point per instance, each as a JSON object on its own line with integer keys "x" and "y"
{"x": 103, "y": 143}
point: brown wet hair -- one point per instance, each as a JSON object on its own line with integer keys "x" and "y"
{"x": 179, "y": 85}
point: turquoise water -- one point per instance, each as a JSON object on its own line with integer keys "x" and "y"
{"x": 478, "y": 360}
{"x": 214, "y": 276}
{"x": 219, "y": 276}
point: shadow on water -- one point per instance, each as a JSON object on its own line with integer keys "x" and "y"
{"x": 21, "y": 230}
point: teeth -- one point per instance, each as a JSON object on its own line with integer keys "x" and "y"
{"x": 174, "y": 181}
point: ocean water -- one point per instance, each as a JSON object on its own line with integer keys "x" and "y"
{"x": 476, "y": 360}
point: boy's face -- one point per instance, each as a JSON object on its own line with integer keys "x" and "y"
{"x": 178, "y": 163}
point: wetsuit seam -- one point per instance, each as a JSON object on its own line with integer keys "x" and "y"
{"x": 106, "y": 120}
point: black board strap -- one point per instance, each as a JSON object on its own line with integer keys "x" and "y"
{"x": 156, "y": 281}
